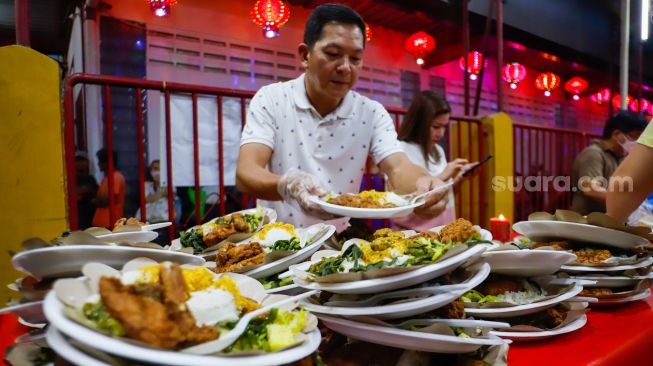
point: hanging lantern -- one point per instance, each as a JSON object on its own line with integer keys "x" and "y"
{"x": 601, "y": 96}
{"x": 368, "y": 33}
{"x": 513, "y": 73}
{"x": 270, "y": 15}
{"x": 474, "y": 64}
{"x": 161, "y": 8}
{"x": 576, "y": 86}
{"x": 641, "y": 106}
{"x": 419, "y": 44}
{"x": 547, "y": 81}
{"x": 616, "y": 101}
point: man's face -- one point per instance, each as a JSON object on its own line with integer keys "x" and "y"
{"x": 333, "y": 64}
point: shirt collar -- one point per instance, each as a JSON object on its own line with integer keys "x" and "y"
{"x": 343, "y": 111}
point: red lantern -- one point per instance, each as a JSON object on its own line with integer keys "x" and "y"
{"x": 643, "y": 105}
{"x": 601, "y": 96}
{"x": 270, "y": 15}
{"x": 419, "y": 44}
{"x": 474, "y": 63}
{"x": 513, "y": 73}
{"x": 576, "y": 86}
{"x": 368, "y": 33}
{"x": 161, "y": 8}
{"x": 547, "y": 81}
{"x": 616, "y": 101}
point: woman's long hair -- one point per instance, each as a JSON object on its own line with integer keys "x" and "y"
{"x": 416, "y": 125}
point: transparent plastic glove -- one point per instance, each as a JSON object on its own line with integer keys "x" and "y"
{"x": 436, "y": 202}
{"x": 299, "y": 186}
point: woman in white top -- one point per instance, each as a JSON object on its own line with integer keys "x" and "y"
{"x": 156, "y": 197}
{"x": 420, "y": 133}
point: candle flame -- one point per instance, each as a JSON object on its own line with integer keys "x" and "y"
{"x": 501, "y": 217}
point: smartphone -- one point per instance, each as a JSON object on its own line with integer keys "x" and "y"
{"x": 470, "y": 170}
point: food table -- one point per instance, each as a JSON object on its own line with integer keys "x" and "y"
{"x": 620, "y": 335}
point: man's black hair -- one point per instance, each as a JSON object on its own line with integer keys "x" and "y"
{"x": 103, "y": 156}
{"x": 327, "y": 13}
{"x": 625, "y": 122}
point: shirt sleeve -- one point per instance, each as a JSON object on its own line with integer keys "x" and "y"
{"x": 646, "y": 137}
{"x": 260, "y": 124}
{"x": 384, "y": 137}
{"x": 590, "y": 164}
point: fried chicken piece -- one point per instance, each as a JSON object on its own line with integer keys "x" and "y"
{"x": 150, "y": 321}
{"x": 597, "y": 291}
{"x": 454, "y": 310}
{"x": 592, "y": 256}
{"x": 127, "y": 221}
{"x": 231, "y": 257}
{"x": 426, "y": 234}
{"x": 460, "y": 230}
{"x": 239, "y": 222}
{"x": 497, "y": 285}
{"x": 557, "y": 245}
{"x": 171, "y": 278}
{"x": 220, "y": 233}
{"x": 547, "y": 319}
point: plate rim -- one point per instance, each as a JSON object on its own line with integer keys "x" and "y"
{"x": 57, "y": 341}
{"x": 573, "y": 326}
{"x": 632, "y": 237}
{"x": 645, "y": 263}
{"x": 358, "y": 212}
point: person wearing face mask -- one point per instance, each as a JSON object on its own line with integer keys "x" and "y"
{"x": 420, "y": 133}
{"x": 595, "y": 165}
{"x": 312, "y": 135}
{"x": 156, "y": 196}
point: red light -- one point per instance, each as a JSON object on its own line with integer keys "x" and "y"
{"x": 616, "y": 101}
{"x": 643, "y": 105}
{"x": 270, "y": 15}
{"x": 161, "y": 8}
{"x": 419, "y": 44}
{"x": 601, "y": 96}
{"x": 576, "y": 86}
{"x": 513, "y": 73}
{"x": 474, "y": 63}
{"x": 368, "y": 33}
{"x": 547, "y": 81}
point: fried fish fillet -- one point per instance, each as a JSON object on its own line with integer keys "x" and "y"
{"x": 239, "y": 222}
{"x": 220, "y": 233}
{"x": 160, "y": 319}
{"x": 231, "y": 257}
{"x": 460, "y": 230}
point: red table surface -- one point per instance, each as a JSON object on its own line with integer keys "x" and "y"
{"x": 620, "y": 335}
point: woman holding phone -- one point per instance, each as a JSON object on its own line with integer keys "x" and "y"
{"x": 420, "y": 133}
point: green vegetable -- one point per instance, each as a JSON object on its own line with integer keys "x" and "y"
{"x": 270, "y": 333}
{"x": 98, "y": 314}
{"x": 274, "y": 282}
{"x": 459, "y": 332}
{"x": 475, "y": 296}
{"x": 254, "y": 220}
{"x": 332, "y": 265}
{"x": 192, "y": 238}
{"x": 291, "y": 244}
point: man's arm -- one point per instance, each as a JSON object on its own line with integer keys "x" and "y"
{"x": 630, "y": 183}
{"x": 590, "y": 175}
{"x": 252, "y": 174}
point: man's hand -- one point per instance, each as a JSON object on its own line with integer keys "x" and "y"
{"x": 300, "y": 186}
{"x": 436, "y": 202}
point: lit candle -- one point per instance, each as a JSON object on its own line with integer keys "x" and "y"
{"x": 500, "y": 228}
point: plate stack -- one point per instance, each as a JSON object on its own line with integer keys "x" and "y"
{"x": 413, "y": 307}
{"x": 613, "y": 265}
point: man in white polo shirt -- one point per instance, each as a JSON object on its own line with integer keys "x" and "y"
{"x": 313, "y": 134}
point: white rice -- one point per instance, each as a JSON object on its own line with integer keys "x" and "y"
{"x": 531, "y": 294}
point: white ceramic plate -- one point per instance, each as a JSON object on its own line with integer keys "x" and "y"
{"x": 156, "y": 226}
{"x": 389, "y": 283}
{"x": 625, "y": 267}
{"x": 623, "y": 300}
{"x": 130, "y": 237}
{"x": 407, "y": 339}
{"x": 547, "y": 229}
{"x": 299, "y": 256}
{"x": 533, "y": 336}
{"x": 612, "y": 281}
{"x": 53, "y": 309}
{"x": 289, "y": 290}
{"x": 67, "y": 260}
{"x": 527, "y": 263}
{"x": 60, "y": 345}
{"x": 523, "y": 309}
{"x": 367, "y": 213}
{"x": 31, "y": 312}
{"x": 402, "y": 309}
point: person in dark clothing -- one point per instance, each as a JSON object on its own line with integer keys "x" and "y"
{"x": 86, "y": 189}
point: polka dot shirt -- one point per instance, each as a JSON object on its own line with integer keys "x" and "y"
{"x": 334, "y": 147}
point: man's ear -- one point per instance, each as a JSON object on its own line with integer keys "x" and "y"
{"x": 303, "y": 52}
